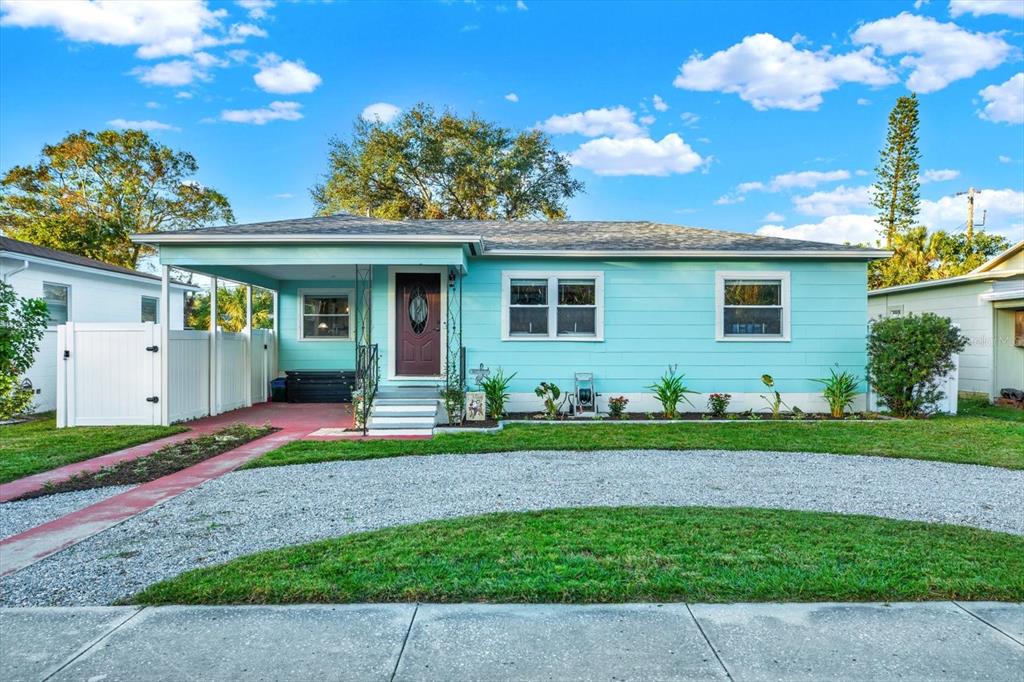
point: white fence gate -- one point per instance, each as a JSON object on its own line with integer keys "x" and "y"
{"x": 110, "y": 373}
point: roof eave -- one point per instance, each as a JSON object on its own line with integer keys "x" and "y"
{"x": 278, "y": 238}
{"x": 860, "y": 254}
{"x": 969, "y": 278}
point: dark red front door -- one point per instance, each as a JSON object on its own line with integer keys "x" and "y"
{"x": 418, "y": 324}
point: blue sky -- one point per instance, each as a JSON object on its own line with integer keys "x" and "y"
{"x": 748, "y": 116}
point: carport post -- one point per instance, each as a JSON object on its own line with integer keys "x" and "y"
{"x": 248, "y": 345}
{"x": 164, "y": 353}
{"x": 214, "y": 373}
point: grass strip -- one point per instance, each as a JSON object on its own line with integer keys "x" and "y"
{"x": 963, "y": 440}
{"x": 164, "y": 461}
{"x": 38, "y": 445}
{"x": 627, "y": 554}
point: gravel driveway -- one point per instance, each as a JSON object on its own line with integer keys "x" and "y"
{"x": 260, "y": 509}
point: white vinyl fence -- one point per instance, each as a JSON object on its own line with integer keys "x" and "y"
{"x": 110, "y": 373}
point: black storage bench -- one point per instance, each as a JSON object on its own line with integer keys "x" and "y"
{"x": 320, "y": 386}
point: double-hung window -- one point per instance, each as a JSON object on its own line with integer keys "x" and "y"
{"x": 325, "y": 315}
{"x": 58, "y": 302}
{"x": 752, "y": 306}
{"x": 560, "y": 306}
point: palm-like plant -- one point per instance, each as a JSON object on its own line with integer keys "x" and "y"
{"x": 669, "y": 390}
{"x": 839, "y": 391}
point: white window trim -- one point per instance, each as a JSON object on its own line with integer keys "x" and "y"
{"x": 300, "y": 331}
{"x": 49, "y": 323}
{"x": 552, "y": 278}
{"x": 156, "y": 299}
{"x": 721, "y": 276}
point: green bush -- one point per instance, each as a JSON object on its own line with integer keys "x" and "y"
{"x": 22, "y": 324}
{"x": 907, "y": 357}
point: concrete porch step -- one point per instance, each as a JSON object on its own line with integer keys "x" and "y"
{"x": 407, "y": 392}
{"x": 401, "y": 422}
{"x": 425, "y": 409}
{"x": 399, "y": 402}
{"x": 399, "y": 432}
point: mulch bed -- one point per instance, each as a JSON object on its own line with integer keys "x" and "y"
{"x": 683, "y": 416}
{"x": 164, "y": 461}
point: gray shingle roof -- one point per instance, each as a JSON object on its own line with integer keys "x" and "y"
{"x": 534, "y": 235}
{"x": 16, "y": 246}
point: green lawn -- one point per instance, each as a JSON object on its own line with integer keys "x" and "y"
{"x": 38, "y": 445}
{"x": 981, "y": 407}
{"x": 976, "y": 440}
{"x": 622, "y": 555}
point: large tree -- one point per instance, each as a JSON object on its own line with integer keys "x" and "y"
{"x": 90, "y": 191}
{"x": 896, "y": 193}
{"x": 430, "y": 165}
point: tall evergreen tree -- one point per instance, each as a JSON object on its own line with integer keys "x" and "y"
{"x": 896, "y": 193}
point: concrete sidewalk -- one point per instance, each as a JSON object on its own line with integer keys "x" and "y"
{"x": 918, "y": 641}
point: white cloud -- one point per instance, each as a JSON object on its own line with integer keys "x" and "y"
{"x": 1004, "y": 103}
{"x": 863, "y": 101}
{"x": 153, "y": 105}
{"x": 938, "y": 175}
{"x": 647, "y": 120}
{"x": 729, "y": 199}
{"x": 184, "y": 94}
{"x": 659, "y": 103}
{"x": 1005, "y": 212}
{"x": 936, "y": 53}
{"x": 689, "y": 119}
{"x": 275, "y": 111}
{"x": 773, "y": 217}
{"x": 794, "y": 180}
{"x": 842, "y": 199}
{"x": 521, "y": 6}
{"x": 173, "y": 74}
{"x": 637, "y": 156}
{"x": 1004, "y": 159}
{"x": 977, "y": 8}
{"x": 283, "y": 77}
{"x": 512, "y": 97}
{"x": 257, "y": 9}
{"x": 617, "y": 122}
{"x": 284, "y": 195}
{"x": 381, "y": 112}
{"x": 773, "y": 74}
{"x": 148, "y": 124}
{"x": 158, "y": 27}
{"x": 835, "y": 229}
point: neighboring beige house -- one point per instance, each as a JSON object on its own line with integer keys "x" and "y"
{"x": 988, "y": 304}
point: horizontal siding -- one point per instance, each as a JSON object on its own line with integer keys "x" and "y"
{"x": 662, "y": 312}
{"x": 296, "y": 354}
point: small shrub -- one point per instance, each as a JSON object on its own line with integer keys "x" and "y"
{"x": 839, "y": 392}
{"x": 718, "y": 403}
{"x": 669, "y": 391}
{"x": 496, "y": 392}
{"x": 550, "y": 393}
{"x": 907, "y": 357}
{"x": 22, "y": 325}
{"x": 454, "y": 403}
{"x": 617, "y": 406}
{"x": 774, "y": 399}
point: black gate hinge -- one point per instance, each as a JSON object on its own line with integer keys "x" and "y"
{"x": 153, "y": 399}
{"x": 152, "y": 349}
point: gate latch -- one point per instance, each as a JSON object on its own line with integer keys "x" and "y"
{"x": 153, "y": 399}
{"x": 67, "y": 354}
{"x": 152, "y": 349}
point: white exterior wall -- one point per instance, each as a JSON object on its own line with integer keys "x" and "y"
{"x": 962, "y": 303}
{"x": 96, "y": 296}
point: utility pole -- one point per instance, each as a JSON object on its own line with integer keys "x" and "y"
{"x": 970, "y": 213}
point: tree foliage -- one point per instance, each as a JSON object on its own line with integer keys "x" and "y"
{"x": 22, "y": 324}
{"x": 896, "y": 193}
{"x": 434, "y": 166}
{"x": 919, "y": 255}
{"x": 907, "y": 357}
{"x": 230, "y": 309}
{"x": 90, "y": 191}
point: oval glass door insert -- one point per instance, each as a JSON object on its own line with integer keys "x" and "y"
{"x": 418, "y": 310}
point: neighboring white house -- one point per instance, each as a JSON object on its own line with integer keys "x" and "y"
{"x": 988, "y": 304}
{"x": 79, "y": 289}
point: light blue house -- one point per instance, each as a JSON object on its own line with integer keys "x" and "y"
{"x": 546, "y": 300}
